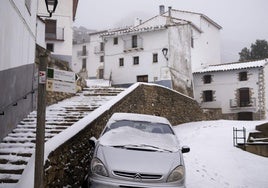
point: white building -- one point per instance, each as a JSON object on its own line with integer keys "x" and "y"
{"x": 18, "y": 36}
{"x": 239, "y": 89}
{"x": 87, "y": 59}
{"x": 59, "y": 32}
{"x": 163, "y": 50}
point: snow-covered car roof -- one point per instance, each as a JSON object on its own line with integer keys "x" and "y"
{"x": 126, "y": 135}
{"x": 137, "y": 117}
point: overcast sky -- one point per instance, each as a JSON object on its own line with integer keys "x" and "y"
{"x": 243, "y": 21}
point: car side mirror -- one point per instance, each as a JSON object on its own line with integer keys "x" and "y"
{"x": 92, "y": 141}
{"x": 185, "y": 149}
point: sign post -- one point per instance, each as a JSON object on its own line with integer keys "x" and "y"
{"x": 40, "y": 127}
{"x": 61, "y": 81}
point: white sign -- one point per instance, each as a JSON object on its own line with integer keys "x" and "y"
{"x": 59, "y": 86}
{"x": 42, "y": 77}
{"x": 66, "y": 76}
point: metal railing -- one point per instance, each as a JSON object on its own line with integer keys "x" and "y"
{"x": 239, "y": 137}
{"x": 59, "y": 35}
{"x": 129, "y": 45}
{"x": 82, "y": 53}
{"x": 98, "y": 50}
{"x": 236, "y": 103}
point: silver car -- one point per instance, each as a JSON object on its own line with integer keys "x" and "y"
{"x": 136, "y": 150}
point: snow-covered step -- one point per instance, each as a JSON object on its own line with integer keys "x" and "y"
{"x": 17, "y": 147}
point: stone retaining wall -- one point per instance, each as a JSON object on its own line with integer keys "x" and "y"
{"x": 69, "y": 163}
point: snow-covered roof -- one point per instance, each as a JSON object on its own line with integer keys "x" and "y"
{"x": 133, "y": 30}
{"x": 233, "y": 66}
{"x": 174, "y": 21}
{"x": 138, "y": 117}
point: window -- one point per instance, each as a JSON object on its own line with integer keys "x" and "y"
{"x": 84, "y": 63}
{"x": 101, "y": 46}
{"x": 207, "y": 96}
{"x": 121, "y": 62}
{"x": 155, "y": 58}
{"x": 28, "y": 5}
{"x": 50, "y": 47}
{"x": 192, "y": 42}
{"x": 142, "y": 78}
{"x": 136, "y": 60}
{"x": 101, "y": 73}
{"x": 134, "y": 41}
{"x": 244, "y": 97}
{"x": 115, "y": 40}
{"x": 207, "y": 79}
{"x": 102, "y": 58}
{"x": 51, "y": 29}
{"x": 243, "y": 76}
{"x": 84, "y": 50}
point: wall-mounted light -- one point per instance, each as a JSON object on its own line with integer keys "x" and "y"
{"x": 51, "y": 6}
{"x": 2, "y": 113}
{"x": 165, "y": 52}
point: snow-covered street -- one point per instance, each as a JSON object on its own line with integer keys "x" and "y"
{"x": 214, "y": 162}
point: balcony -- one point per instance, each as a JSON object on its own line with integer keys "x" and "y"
{"x": 239, "y": 105}
{"x": 130, "y": 45}
{"x": 58, "y": 35}
{"x": 98, "y": 50}
{"x": 82, "y": 53}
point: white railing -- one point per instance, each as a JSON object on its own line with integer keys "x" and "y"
{"x": 59, "y": 35}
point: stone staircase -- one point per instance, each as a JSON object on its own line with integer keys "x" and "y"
{"x": 17, "y": 147}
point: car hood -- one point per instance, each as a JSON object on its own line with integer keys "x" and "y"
{"x": 138, "y": 160}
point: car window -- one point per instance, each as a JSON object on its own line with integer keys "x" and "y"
{"x": 150, "y": 127}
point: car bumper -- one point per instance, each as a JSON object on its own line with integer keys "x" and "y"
{"x": 113, "y": 183}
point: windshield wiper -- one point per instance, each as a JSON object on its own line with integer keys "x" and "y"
{"x": 144, "y": 147}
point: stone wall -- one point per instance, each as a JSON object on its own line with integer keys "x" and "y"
{"x": 69, "y": 163}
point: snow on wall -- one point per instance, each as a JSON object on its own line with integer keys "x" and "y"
{"x": 180, "y": 57}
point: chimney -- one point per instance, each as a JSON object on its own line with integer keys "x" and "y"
{"x": 161, "y": 9}
{"x": 169, "y": 11}
{"x": 137, "y": 21}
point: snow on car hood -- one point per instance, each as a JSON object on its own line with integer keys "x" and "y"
{"x": 131, "y": 136}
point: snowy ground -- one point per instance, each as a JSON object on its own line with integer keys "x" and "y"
{"x": 213, "y": 162}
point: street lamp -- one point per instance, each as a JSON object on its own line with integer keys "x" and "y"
{"x": 165, "y": 51}
{"x": 51, "y": 6}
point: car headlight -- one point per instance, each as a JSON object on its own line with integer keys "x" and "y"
{"x": 98, "y": 167}
{"x": 176, "y": 174}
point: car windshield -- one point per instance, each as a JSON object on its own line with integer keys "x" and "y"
{"x": 150, "y": 127}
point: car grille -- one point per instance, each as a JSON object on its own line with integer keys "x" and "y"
{"x": 133, "y": 175}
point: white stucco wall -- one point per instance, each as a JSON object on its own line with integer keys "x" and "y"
{"x": 64, "y": 17}
{"x": 153, "y": 42}
{"x": 40, "y": 33}
{"x": 225, "y": 85}
{"x": 17, "y": 34}
{"x": 76, "y": 64}
{"x": 206, "y": 49}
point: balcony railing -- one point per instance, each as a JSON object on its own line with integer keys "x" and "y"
{"x": 129, "y": 45}
{"x": 98, "y": 50}
{"x": 235, "y": 103}
{"x": 59, "y": 35}
{"x": 82, "y": 53}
